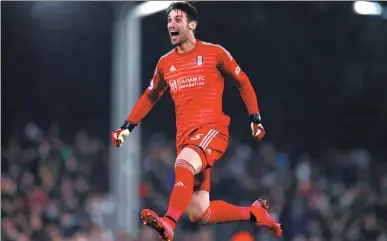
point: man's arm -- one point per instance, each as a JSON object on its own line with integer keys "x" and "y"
{"x": 149, "y": 98}
{"x": 229, "y": 66}
{"x": 143, "y": 106}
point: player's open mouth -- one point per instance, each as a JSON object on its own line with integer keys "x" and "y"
{"x": 174, "y": 34}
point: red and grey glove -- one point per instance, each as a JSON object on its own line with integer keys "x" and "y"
{"x": 118, "y": 136}
{"x": 257, "y": 129}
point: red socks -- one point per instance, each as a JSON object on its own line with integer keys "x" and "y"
{"x": 182, "y": 191}
{"x": 217, "y": 212}
{"x": 222, "y": 212}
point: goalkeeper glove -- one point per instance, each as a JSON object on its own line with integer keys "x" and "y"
{"x": 256, "y": 127}
{"x": 118, "y": 136}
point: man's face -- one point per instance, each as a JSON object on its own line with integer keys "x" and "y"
{"x": 178, "y": 27}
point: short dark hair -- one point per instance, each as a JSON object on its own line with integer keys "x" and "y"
{"x": 190, "y": 11}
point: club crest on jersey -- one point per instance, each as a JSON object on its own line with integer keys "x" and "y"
{"x": 199, "y": 60}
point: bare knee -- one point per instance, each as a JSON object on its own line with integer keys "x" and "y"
{"x": 190, "y": 155}
{"x": 198, "y": 205}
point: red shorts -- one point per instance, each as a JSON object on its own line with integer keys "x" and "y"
{"x": 213, "y": 145}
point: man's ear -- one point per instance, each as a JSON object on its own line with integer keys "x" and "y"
{"x": 192, "y": 25}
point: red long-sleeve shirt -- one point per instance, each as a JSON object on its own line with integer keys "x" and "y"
{"x": 196, "y": 84}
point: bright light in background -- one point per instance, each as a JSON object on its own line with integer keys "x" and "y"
{"x": 367, "y": 8}
{"x": 151, "y": 7}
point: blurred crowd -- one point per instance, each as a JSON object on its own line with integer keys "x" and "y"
{"x": 53, "y": 189}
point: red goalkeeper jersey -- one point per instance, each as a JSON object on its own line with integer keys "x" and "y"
{"x": 195, "y": 81}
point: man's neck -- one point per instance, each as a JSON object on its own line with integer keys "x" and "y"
{"x": 187, "y": 45}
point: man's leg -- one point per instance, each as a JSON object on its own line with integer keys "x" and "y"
{"x": 203, "y": 211}
{"x": 188, "y": 163}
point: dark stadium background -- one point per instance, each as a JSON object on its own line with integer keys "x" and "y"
{"x": 319, "y": 69}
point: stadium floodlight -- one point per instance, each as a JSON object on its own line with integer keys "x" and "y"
{"x": 151, "y": 7}
{"x": 367, "y": 8}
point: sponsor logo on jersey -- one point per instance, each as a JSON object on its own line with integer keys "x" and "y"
{"x": 188, "y": 82}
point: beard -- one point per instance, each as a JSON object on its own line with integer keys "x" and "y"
{"x": 181, "y": 40}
